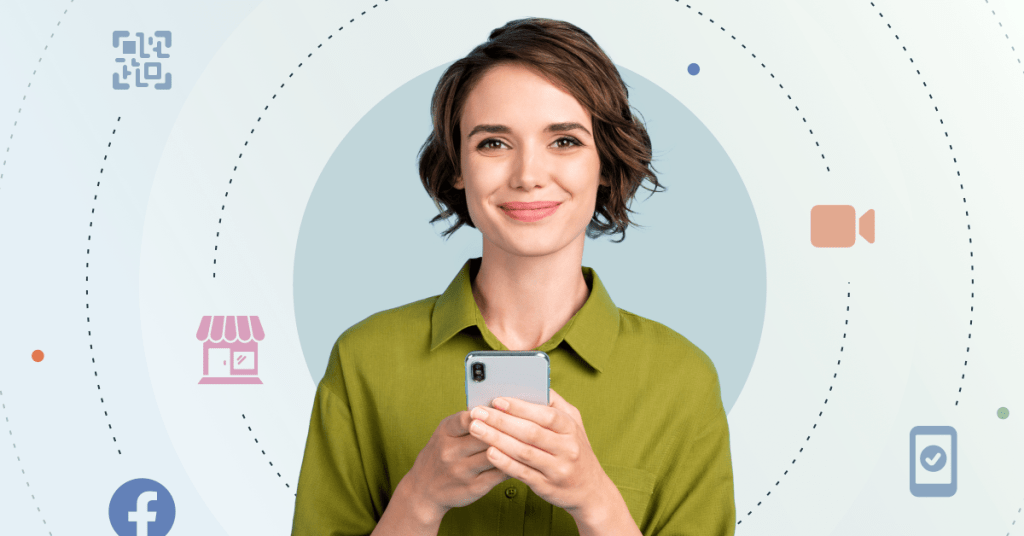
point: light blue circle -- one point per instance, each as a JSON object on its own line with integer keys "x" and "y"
{"x": 365, "y": 244}
{"x": 129, "y": 507}
{"x": 693, "y": 68}
{"x": 929, "y": 453}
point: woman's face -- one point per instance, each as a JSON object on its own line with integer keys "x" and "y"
{"x": 529, "y": 165}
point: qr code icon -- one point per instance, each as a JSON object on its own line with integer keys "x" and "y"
{"x": 147, "y": 70}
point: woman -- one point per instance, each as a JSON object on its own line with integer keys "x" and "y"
{"x": 534, "y": 145}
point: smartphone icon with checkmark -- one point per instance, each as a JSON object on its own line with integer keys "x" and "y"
{"x": 933, "y": 461}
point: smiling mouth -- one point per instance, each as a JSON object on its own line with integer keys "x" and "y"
{"x": 530, "y": 212}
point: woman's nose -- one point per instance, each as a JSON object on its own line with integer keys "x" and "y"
{"x": 530, "y": 170}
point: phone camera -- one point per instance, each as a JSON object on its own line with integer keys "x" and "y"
{"x": 478, "y": 372}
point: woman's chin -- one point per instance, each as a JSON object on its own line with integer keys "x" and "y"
{"x": 531, "y": 245}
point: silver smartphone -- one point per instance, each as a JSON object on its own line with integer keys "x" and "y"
{"x": 492, "y": 374}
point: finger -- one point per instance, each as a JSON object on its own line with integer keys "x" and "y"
{"x": 459, "y": 425}
{"x": 478, "y": 463}
{"x": 468, "y": 445}
{"x": 524, "y": 430}
{"x": 560, "y": 403}
{"x": 550, "y": 417}
{"x": 515, "y": 469}
{"x": 536, "y": 458}
{"x": 492, "y": 475}
{"x": 474, "y": 447}
{"x": 553, "y": 396}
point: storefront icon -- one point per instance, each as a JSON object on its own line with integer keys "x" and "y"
{"x": 230, "y": 352}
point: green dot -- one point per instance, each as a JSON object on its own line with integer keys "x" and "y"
{"x": 1002, "y": 413}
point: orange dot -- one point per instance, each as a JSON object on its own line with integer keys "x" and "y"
{"x": 37, "y": 356}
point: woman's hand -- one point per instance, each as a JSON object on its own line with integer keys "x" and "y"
{"x": 546, "y": 448}
{"x": 452, "y": 470}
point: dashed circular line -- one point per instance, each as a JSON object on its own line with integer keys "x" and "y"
{"x": 835, "y": 374}
{"x": 967, "y": 214}
{"x": 274, "y": 96}
{"x": 25, "y": 96}
{"x": 88, "y": 250}
{"x": 253, "y": 130}
{"x": 264, "y": 452}
{"x": 10, "y": 434}
{"x": 789, "y": 96}
{"x": 1007, "y": 36}
{"x": 1012, "y": 48}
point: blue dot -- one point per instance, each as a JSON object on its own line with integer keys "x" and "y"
{"x": 693, "y": 68}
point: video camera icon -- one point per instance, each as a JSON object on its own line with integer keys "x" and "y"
{"x": 835, "y": 226}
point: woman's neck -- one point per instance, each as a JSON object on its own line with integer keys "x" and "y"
{"x": 525, "y": 300}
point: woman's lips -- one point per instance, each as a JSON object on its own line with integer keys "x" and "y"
{"x": 530, "y": 212}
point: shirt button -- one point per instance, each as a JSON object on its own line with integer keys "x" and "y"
{"x": 510, "y": 492}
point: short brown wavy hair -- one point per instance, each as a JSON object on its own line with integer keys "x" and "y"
{"x": 571, "y": 59}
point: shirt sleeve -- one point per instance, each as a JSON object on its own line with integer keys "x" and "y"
{"x": 694, "y": 495}
{"x": 333, "y": 496}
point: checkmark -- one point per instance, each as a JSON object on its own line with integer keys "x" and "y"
{"x": 932, "y": 458}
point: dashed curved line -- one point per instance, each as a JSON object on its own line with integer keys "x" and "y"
{"x": 88, "y": 319}
{"x": 846, "y": 322}
{"x": 10, "y": 434}
{"x": 264, "y": 452}
{"x": 258, "y": 119}
{"x": 274, "y": 96}
{"x": 25, "y": 96}
{"x": 231, "y": 180}
{"x": 827, "y": 169}
{"x": 967, "y": 214}
{"x": 788, "y": 95}
{"x": 1006, "y": 35}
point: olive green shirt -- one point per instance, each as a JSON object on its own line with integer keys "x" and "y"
{"x": 650, "y": 402}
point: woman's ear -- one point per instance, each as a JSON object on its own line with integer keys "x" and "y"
{"x": 604, "y": 181}
{"x": 458, "y": 183}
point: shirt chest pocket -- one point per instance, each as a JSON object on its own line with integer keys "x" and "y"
{"x": 636, "y": 487}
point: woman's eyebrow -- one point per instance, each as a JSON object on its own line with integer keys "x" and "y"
{"x": 563, "y": 127}
{"x": 553, "y": 127}
{"x": 493, "y": 129}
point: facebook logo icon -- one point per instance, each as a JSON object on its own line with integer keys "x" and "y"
{"x": 141, "y": 507}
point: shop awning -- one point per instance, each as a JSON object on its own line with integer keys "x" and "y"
{"x": 230, "y": 328}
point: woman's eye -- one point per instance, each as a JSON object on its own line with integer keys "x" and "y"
{"x": 490, "y": 144}
{"x": 572, "y": 142}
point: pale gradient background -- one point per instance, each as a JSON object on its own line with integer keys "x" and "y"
{"x": 899, "y": 313}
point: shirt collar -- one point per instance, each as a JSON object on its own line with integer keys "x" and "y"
{"x": 591, "y": 332}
